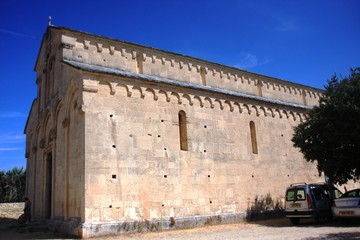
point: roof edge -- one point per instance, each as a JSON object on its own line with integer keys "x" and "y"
{"x": 190, "y": 57}
{"x": 155, "y": 79}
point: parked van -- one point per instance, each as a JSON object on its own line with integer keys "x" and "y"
{"x": 314, "y": 200}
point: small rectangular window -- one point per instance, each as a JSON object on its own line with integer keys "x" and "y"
{"x": 253, "y": 138}
{"x": 295, "y": 195}
{"x": 183, "y": 131}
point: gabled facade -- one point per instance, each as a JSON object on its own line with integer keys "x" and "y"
{"x": 123, "y": 137}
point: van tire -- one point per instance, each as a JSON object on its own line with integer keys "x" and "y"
{"x": 295, "y": 221}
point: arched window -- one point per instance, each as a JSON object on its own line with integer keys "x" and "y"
{"x": 253, "y": 138}
{"x": 183, "y": 131}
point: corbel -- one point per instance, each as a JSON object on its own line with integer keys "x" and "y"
{"x": 143, "y": 56}
{"x": 197, "y": 67}
{"x": 228, "y": 75}
{"x": 113, "y": 88}
{"x": 86, "y": 44}
{"x": 242, "y": 79}
{"x": 163, "y": 60}
{"x": 122, "y": 52}
{"x": 189, "y": 66}
{"x": 133, "y": 54}
{"x": 235, "y": 77}
{"x": 111, "y": 50}
{"x": 213, "y": 72}
{"x": 99, "y": 47}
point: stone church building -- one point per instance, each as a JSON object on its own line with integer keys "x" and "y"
{"x": 123, "y": 137}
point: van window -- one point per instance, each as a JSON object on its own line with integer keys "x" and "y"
{"x": 350, "y": 194}
{"x": 290, "y": 195}
{"x": 295, "y": 194}
{"x": 318, "y": 193}
{"x": 336, "y": 193}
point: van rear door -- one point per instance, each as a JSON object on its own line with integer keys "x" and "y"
{"x": 296, "y": 199}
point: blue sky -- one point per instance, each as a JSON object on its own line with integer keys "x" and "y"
{"x": 303, "y": 41}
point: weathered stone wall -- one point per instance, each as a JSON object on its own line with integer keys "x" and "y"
{"x": 136, "y": 170}
{"x": 11, "y": 210}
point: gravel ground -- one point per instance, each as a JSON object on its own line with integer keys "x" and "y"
{"x": 268, "y": 229}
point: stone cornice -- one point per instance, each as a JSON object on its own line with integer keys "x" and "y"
{"x": 103, "y": 45}
{"x": 99, "y": 69}
{"x": 249, "y": 104}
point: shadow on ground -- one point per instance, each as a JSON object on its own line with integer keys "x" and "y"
{"x": 285, "y": 222}
{"x": 11, "y": 229}
{"x": 339, "y": 236}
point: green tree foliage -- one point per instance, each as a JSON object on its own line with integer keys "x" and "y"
{"x": 12, "y": 185}
{"x": 331, "y": 133}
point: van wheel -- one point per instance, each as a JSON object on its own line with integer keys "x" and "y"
{"x": 295, "y": 221}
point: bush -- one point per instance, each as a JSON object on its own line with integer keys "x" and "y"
{"x": 12, "y": 185}
{"x": 264, "y": 208}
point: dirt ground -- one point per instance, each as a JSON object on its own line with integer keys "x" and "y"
{"x": 267, "y": 229}
{"x": 11, "y": 229}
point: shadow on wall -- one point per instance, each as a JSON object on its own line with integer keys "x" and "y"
{"x": 264, "y": 208}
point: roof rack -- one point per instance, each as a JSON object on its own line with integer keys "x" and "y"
{"x": 300, "y": 183}
{"x": 318, "y": 183}
{"x": 304, "y": 183}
